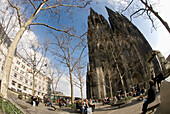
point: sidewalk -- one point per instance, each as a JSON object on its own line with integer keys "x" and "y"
{"x": 42, "y": 109}
{"x": 133, "y": 107}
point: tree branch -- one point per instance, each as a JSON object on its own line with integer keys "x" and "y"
{"x": 65, "y": 31}
{"x": 33, "y": 4}
{"x": 128, "y": 6}
{"x": 66, "y": 5}
{"x": 19, "y": 16}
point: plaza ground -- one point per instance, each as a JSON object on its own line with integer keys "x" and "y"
{"x": 132, "y": 107}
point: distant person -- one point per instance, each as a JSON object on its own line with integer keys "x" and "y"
{"x": 92, "y": 105}
{"x": 115, "y": 100}
{"x": 34, "y": 98}
{"x": 50, "y": 104}
{"x": 45, "y": 100}
{"x": 151, "y": 96}
{"x": 138, "y": 92}
{"x": 159, "y": 78}
{"x": 37, "y": 100}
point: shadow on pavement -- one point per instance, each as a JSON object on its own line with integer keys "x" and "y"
{"x": 107, "y": 108}
{"x": 66, "y": 109}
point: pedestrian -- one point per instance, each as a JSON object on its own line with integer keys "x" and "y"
{"x": 50, "y": 104}
{"x": 37, "y": 100}
{"x": 151, "y": 96}
{"x": 45, "y": 100}
{"x": 159, "y": 78}
{"x": 92, "y": 105}
{"x": 34, "y": 98}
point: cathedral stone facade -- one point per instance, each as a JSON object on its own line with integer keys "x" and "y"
{"x": 117, "y": 55}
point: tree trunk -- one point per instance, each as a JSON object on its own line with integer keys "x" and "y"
{"x": 33, "y": 85}
{"x": 8, "y": 62}
{"x": 81, "y": 89}
{"x": 71, "y": 83}
{"x": 110, "y": 84}
{"x": 11, "y": 51}
{"x": 121, "y": 77}
{"x": 53, "y": 90}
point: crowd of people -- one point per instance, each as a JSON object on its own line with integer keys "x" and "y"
{"x": 35, "y": 100}
{"x": 86, "y": 105}
{"x": 48, "y": 102}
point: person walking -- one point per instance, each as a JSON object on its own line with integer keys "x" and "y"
{"x": 50, "y": 104}
{"x": 34, "y": 98}
{"x": 151, "y": 96}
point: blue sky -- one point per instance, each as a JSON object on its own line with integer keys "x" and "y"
{"x": 159, "y": 40}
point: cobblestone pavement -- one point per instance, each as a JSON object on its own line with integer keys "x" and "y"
{"x": 133, "y": 107}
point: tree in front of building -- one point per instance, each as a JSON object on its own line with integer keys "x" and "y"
{"x": 29, "y": 13}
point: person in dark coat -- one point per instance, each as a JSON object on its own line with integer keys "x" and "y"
{"x": 50, "y": 104}
{"x": 45, "y": 100}
{"x": 34, "y": 98}
{"x": 151, "y": 96}
{"x": 159, "y": 78}
{"x": 37, "y": 100}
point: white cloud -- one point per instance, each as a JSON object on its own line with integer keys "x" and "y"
{"x": 64, "y": 86}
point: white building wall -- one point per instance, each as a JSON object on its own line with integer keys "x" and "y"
{"x": 23, "y": 79}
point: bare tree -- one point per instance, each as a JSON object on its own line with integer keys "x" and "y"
{"x": 79, "y": 75}
{"x": 36, "y": 56}
{"x": 117, "y": 69}
{"x": 147, "y": 9}
{"x": 55, "y": 74}
{"x": 70, "y": 51}
{"x": 8, "y": 23}
{"x": 28, "y": 12}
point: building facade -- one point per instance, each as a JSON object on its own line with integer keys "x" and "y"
{"x": 21, "y": 79}
{"x": 117, "y": 56}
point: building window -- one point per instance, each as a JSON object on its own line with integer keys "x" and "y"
{"x": 18, "y": 62}
{"x": 21, "y": 78}
{"x": 23, "y": 61}
{"x": 15, "y": 75}
{"x": 31, "y": 83}
{"x": 22, "y": 72}
{"x": 13, "y": 82}
{"x": 16, "y": 68}
{"x": 38, "y": 93}
{"x": 28, "y": 65}
{"x": 39, "y": 87}
{"x": 35, "y": 85}
{"x": 19, "y": 85}
{"x": 43, "y": 88}
{"x": 23, "y": 66}
{"x": 26, "y": 81}
{"x": 25, "y": 88}
{"x": 27, "y": 75}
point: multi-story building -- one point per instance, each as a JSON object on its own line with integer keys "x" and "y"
{"x": 3, "y": 49}
{"x": 21, "y": 79}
